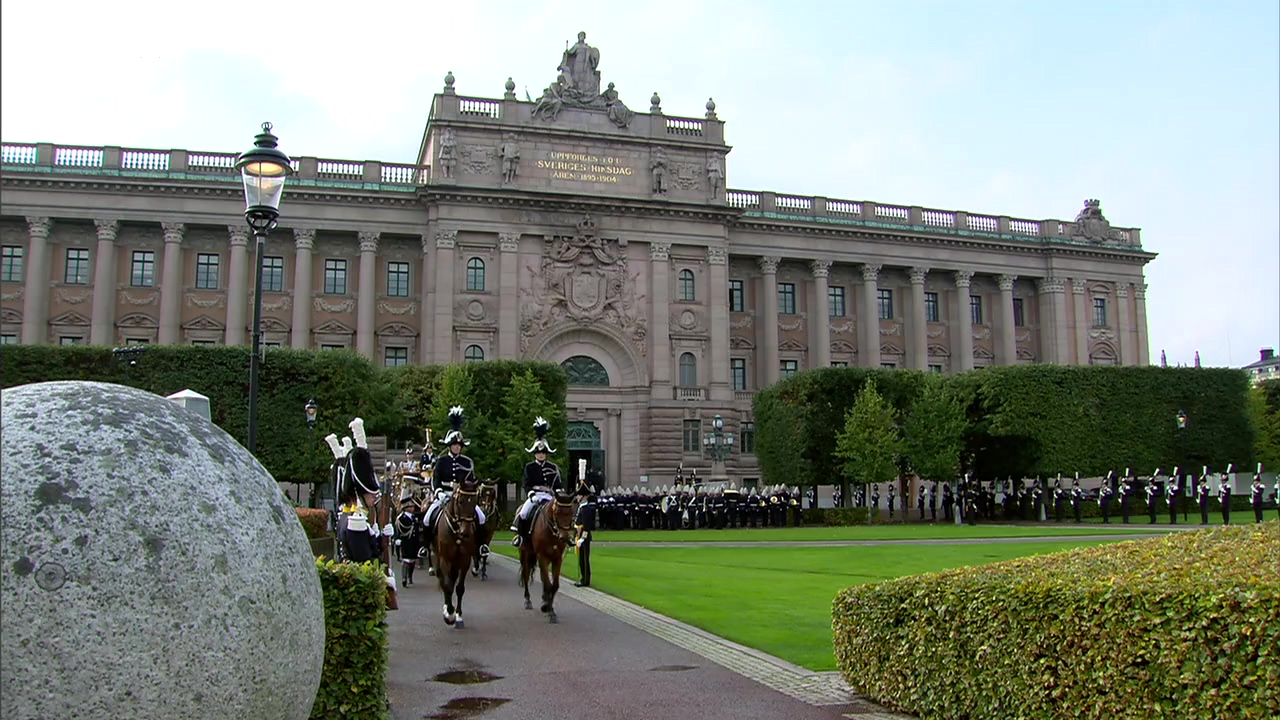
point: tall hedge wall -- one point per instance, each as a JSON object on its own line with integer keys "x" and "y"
{"x": 1024, "y": 420}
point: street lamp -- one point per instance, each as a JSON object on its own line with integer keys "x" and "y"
{"x": 264, "y": 169}
{"x": 311, "y": 411}
{"x": 1181, "y": 420}
{"x": 718, "y": 445}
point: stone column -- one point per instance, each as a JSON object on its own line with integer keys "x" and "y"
{"x": 660, "y": 282}
{"x": 35, "y": 305}
{"x": 442, "y": 328}
{"x": 870, "y": 320}
{"x": 238, "y": 285}
{"x": 304, "y": 240}
{"x": 820, "y": 314}
{"x": 104, "y": 284}
{"x": 769, "y": 323}
{"x": 367, "y": 300}
{"x": 1124, "y": 325}
{"x": 1140, "y": 301}
{"x": 1081, "y": 302}
{"x": 1044, "y": 298}
{"x": 424, "y": 305}
{"x": 1007, "y": 349}
{"x": 171, "y": 284}
{"x": 919, "y": 325}
{"x": 718, "y": 296}
{"x": 613, "y": 466}
{"x": 509, "y": 296}
{"x": 962, "y": 324}
{"x": 1057, "y": 288}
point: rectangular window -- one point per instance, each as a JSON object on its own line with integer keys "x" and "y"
{"x": 885, "y": 300}
{"x": 207, "y": 265}
{"x": 335, "y": 277}
{"x": 8, "y": 339}
{"x": 270, "y": 345}
{"x": 398, "y": 279}
{"x": 136, "y": 341}
{"x": 11, "y": 264}
{"x": 333, "y": 347}
{"x": 787, "y": 298}
{"x": 738, "y": 371}
{"x": 1099, "y": 312}
{"x": 888, "y": 365}
{"x": 747, "y": 438}
{"x": 203, "y": 342}
{"x": 835, "y": 301}
{"x": 272, "y": 274}
{"x": 839, "y": 363}
{"x": 69, "y": 340}
{"x": 931, "y": 313}
{"x": 142, "y": 269}
{"x": 77, "y": 271}
{"x": 395, "y": 356}
{"x": 692, "y": 436}
{"x": 935, "y": 369}
{"x": 787, "y": 368}
{"x": 1019, "y": 314}
{"x": 975, "y": 309}
{"x": 737, "y": 296}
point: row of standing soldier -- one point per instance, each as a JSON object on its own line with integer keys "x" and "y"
{"x": 693, "y": 506}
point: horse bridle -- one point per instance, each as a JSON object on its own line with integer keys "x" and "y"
{"x": 449, "y": 514}
{"x": 555, "y": 524}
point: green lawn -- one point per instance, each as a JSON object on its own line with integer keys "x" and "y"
{"x": 775, "y": 599}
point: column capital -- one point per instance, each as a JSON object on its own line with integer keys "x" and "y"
{"x": 1078, "y": 287}
{"x": 304, "y": 238}
{"x": 107, "y": 229}
{"x": 717, "y": 255}
{"x": 659, "y": 251}
{"x": 446, "y": 239}
{"x": 1140, "y": 291}
{"x": 615, "y": 411}
{"x": 39, "y": 227}
{"x": 369, "y": 241}
{"x": 1122, "y": 290}
{"x": 1005, "y": 282}
{"x": 1050, "y": 285}
{"x": 239, "y": 235}
{"x": 871, "y": 272}
{"x": 917, "y": 275}
{"x": 821, "y": 268}
{"x": 769, "y": 264}
{"x": 173, "y": 232}
{"x": 509, "y": 242}
{"x": 963, "y": 278}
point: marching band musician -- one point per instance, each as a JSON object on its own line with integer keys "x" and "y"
{"x": 1256, "y": 493}
{"x": 452, "y": 470}
{"x": 837, "y": 496}
{"x": 1104, "y": 497}
{"x": 1224, "y": 494}
{"x": 1153, "y": 494}
{"x": 1037, "y": 498}
{"x": 1202, "y": 494}
{"x": 1126, "y": 492}
{"x": 541, "y": 479}
{"x": 1077, "y": 496}
{"x": 1171, "y": 497}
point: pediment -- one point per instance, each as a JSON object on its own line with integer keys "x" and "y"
{"x": 70, "y": 318}
{"x": 397, "y": 330}
{"x": 791, "y": 345}
{"x": 841, "y": 346}
{"x": 981, "y": 352}
{"x": 333, "y": 327}
{"x": 138, "y": 320}
{"x": 1025, "y": 354}
{"x": 741, "y": 343}
{"x": 8, "y": 315}
{"x": 939, "y": 351}
{"x": 1102, "y": 350}
{"x": 270, "y": 324}
{"x": 890, "y": 349}
{"x": 204, "y": 322}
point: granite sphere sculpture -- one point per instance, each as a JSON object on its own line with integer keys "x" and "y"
{"x": 151, "y": 566}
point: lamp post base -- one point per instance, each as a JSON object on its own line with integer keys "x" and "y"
{"x": 718, "y": 472}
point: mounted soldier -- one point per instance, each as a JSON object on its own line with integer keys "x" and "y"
{"x": 541, "y": 480}
{"x": 452, "y": 469}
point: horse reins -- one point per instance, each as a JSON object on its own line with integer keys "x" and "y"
{"x": 555, "y": 524}
{"x": 449, "y": 515}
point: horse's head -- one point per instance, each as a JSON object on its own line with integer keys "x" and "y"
{"x": 560, "y": 513}
{"x": 488, "y": 496}
{"x": 463, "y": 502}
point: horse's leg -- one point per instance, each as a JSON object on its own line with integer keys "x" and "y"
{"x": 444, "y": 573}
{"x": 526, "y": 574}
{"x": 460, "y": 589}
{"x": 545, "y": 572}
{"x": 555, "y": 587}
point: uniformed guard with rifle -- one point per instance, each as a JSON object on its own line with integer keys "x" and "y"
{"x": 1256, "y": 494}
{"x": 1104, "y": 497}
{"x": 1171, "y": 493}
{"x": 1153, "y": 494}
{"x": 1077, "y": 497}
{"x": 1224, "y": 495}
{"x": 1202, "y": 495}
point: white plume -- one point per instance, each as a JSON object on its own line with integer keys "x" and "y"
{"x": 540, "y": 421}
{"x": 334, "y": 446}
{"x": 357, "y": 432}
{"x": 346, "y": 446}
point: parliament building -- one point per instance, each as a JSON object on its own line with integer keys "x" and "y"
{"x": 569, "y": 228}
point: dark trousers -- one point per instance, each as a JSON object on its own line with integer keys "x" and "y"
{"x": 1151, "y": 510}
{"x": 1226, "y": 513}
{"x": 1257, "y": 511}
{"x": 584, "y": 560}
{"x": 1106, "y": 512}
{"x": 1173, "y": 510}
{"x": 1204, "y": 513}
{"x": 1076, "y": 507}
{"x": 1124, "y": 509}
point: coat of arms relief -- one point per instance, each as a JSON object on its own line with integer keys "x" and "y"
{"x": 583, "y": 279}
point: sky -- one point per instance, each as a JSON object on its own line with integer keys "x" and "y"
{"x": 1168, "y": 112}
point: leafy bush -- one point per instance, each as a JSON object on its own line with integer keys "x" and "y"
{"x": 353, "y": 683}
{"x": 836, "y": 517}
{"x": 1186, "y": 625}
{"x": 315, "y": 521}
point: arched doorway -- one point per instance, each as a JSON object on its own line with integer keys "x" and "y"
{"x": 583, "y": 439}
{"x": 585, "y": 370}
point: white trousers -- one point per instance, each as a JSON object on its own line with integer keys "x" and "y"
{"x": 538, "y": 496}
{"x": 442, "y": 498}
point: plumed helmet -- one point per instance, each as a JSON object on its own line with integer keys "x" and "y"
{"x": 540, "y": 429}
{"x": 456, "y": 419}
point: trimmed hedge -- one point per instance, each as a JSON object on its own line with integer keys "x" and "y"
{"x": 1181, "y": 626}
{"x": 315, "y": 521}
{"x": 836, "y": 517}
{"x": 353, "y": 684}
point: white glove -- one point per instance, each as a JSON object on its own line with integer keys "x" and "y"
{"x": 397, "y": 543}
{"x": 391, "y": 581}
{"x": 373, "y": 530}
{"x": 388, "y": 530}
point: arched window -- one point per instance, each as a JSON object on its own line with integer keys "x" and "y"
{"x": 688, "y": 370}
{"x": 583, "y": 370}
{"x": 684, "y": 286}
{"x": 475, "y": 275}
{"x": 473, "y": 353}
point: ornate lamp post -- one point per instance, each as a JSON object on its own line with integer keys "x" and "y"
{"x": 311, "y": 410}
{"x": 718, "y": 445}
{"x": 1181, "y": 421}
{"x": 264, "y": 169}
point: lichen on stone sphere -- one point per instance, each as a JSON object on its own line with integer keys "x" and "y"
{"x": 151, "y": 566}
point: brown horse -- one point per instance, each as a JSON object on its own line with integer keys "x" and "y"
{"x": 551, "y": 531}
{"x": 489, "y": 504}
{"x": 455, "y": 546}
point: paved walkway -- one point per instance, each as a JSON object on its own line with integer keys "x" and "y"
{"x": 606, "y": 659}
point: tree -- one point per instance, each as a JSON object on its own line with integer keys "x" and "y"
{"x": 870, "y": 443}
{"x": 513, "y": 432}
{"x": 456, "y": 388}
{"x": 1264, "y": 411}
{"x": 933, "y": 432}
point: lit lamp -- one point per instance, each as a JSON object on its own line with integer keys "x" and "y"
{"x": 264, "y": 169}
{"x": 311, "y": 411}
{"x": 718, "y": 444}
{"x": 1181, "y": 419}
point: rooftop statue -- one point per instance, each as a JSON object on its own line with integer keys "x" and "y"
{"x": 578, "y": 85}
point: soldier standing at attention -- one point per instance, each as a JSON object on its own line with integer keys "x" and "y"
{"x": 1077, "y": 497}
{"x": 1202, "y": 495}
{"x": 933, "y": 502}
{"x": 1171, "y": 496}
{"x": 875, "y": 501}
{"x": 920, "y": 500}
{"x": 585, "y": 524}
{"x": 1126, "y": 492}
{"x": 836, "y": 497}
{"x": 947, "y": 501}
{"x": 1224, "y": 495}
{"x": 1104, "y": 497}
{"x": 1256, "y": 494}
{"x": 893, "y": 495}
{"x": 1059, "y": 498}
{"x": 1153, "y": 494}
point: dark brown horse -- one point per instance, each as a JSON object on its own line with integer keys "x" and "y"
{"x": 455, "y": 546}
{"x": 488, "y": 504}
{"x": 551, "y": 531}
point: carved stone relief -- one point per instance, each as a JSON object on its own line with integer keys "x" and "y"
{"x": 687, "y": 320}
{"x": 10, "y": 317}
{"x": 283, "y": 303}
{"x": 982, "y": 334}
{"x": 935, "y": 332}
{"x": 738, "y": 342}
{"x": 742, "y": 323}
{"x": 1102, "y": 334}
{"x": 472, "y": 310}
{"x": 1022, "y": 337}
{"x": 479, "y": 160}
{"x": 790, "y": 325}
{"x": 398, "y": 309}
{"x": 845, "y": 327}
{"x": 63, "y": 296}
{"x": 340, "y": 307}
{"x": 790, "y": 345}
{"x": 200, "y": 301}
{"x": 204, "y": 322}
{"x": 893, "y": 329}
{"x": 15, "y": 295}
{"x": 687, "y": 176}
{"x": 144, "y": 299}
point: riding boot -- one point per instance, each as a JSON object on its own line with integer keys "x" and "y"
{"x": 482, "y": 531}
{"x": 518, "y": 528}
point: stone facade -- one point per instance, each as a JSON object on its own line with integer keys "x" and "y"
{"x": 568, "y": 229}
